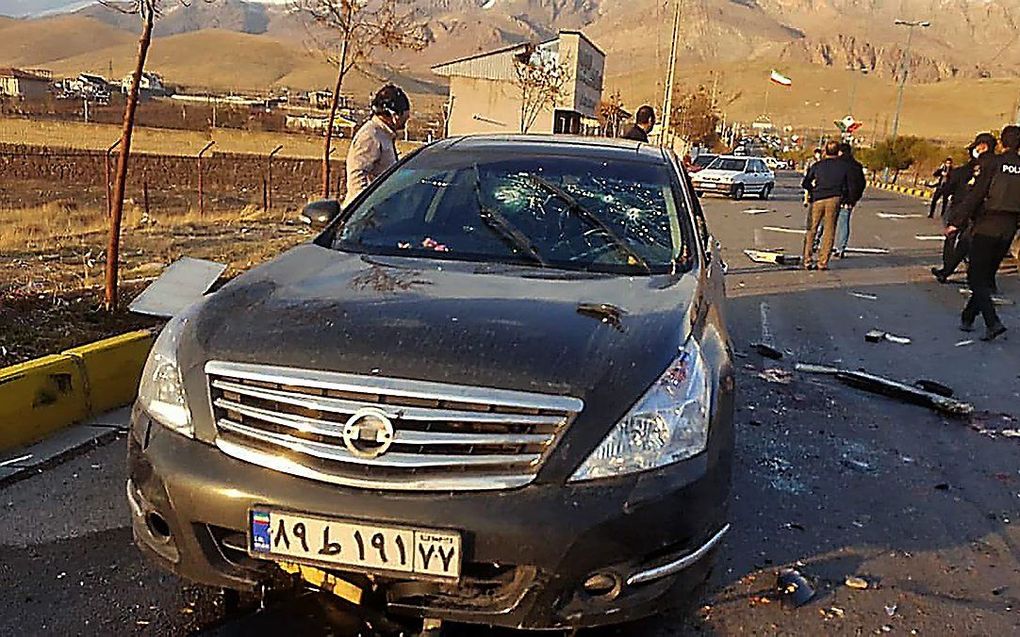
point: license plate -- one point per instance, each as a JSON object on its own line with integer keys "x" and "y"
{"x": 277, "y": 535}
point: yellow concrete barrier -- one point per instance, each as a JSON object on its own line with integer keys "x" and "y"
{"x": 41, "y": 396}
{"x": 113, "y": 368}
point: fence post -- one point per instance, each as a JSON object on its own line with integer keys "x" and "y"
{"x": 265, "y": 195}
{"x": 268, "y": 182}
{"x": 109, "y": 186}
{"x": 145, "y": 195}
{"x": 201, "y": 189}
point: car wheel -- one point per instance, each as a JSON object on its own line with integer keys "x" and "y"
{"x": 738, "y": 192}
{"x": 765, "y": 192}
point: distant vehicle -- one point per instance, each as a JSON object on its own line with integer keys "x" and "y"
{"x": 735, "y": 176}
{"x": 701, "y": 162}
{"x": 773, "y": 163}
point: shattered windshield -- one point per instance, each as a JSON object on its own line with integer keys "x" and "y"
{"x": 731, "y": 165}
{"x": 550, "y": 211}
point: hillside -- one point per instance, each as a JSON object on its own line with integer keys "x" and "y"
{"x": 198, "y": 59}
{"x": 39, "y": 42}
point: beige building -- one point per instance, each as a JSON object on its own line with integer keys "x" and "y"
{"x": 486, "y": 95}
{"x": 23, "y": 84}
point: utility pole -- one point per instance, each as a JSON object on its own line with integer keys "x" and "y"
{"x": 904, "y": 71}
{"x": 667, "y": 107}
{"x": 905, "y": 67}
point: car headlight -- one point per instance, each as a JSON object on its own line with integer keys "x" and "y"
{"x": 668, "y": 424}
{"x": 161, "y": 391}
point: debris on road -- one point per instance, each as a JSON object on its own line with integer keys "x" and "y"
{"x": 776, "y": 375}
{"x": 876, "y": 336}
{"x": 767, "y": 351}
{"x": 774, "y": 258}
{"x": 935, "y": 387}
{"x": 794, "y": 588}
{"x": 890, "y": 610}
{"x": 997, "y": 300}
{"x": 892, "y": 389}
{"x": 834, "y": 612}
{"x": 859, "y": 583}
{"x": 965, "y": 343}
{"x": 942, "y": 486}
{"x": 865, "y": 295}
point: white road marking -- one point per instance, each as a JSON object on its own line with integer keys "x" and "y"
{"x": 929, "y": 237}
{"x": 867, "y": 251}
{"x": 15, "y": 460}
{"x": 894, "y": 215}
{"x": 785, "y": 230}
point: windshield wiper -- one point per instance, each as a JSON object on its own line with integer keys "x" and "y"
{"x": 503, "y": 227}
{"x": 592, "y": 218}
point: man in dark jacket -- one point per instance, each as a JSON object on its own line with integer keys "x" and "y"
{"x": 856, "y": 183}
{"x": 961, "y": 181}
{"x": 941, "y": 176}
{"x": 827, "y": 184}
{"x": 644, "y": 121}
{"x": 993, "y": 209}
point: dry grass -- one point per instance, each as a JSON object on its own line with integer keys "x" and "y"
{"x": 161, "y": 141}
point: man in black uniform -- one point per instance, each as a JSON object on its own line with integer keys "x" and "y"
{"x": 993, "y": 205}
{"x": 644, "y": 121}
{"x": 827, "y": 184}
{"x": 961, "y": 181}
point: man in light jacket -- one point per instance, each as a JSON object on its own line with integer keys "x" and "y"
{"x": 374, "y": 147}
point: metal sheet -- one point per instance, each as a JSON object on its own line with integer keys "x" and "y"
{"x": 181, "y": 284}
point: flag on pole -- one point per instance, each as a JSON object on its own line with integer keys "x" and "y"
{"x": 780, "y": 79}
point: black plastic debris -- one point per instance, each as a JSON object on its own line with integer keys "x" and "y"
{"x": 794, "y": 589}
{"x": 935, "y": 387}
{"x": 893, "y": 389}
{"x": 876, "y": 336}
{"x": 942, "y": 486}
{"x": 771, "y": 257}
{"x": 767, "y": 351}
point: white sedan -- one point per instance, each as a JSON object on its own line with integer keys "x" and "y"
{"x": 735, "y": 177}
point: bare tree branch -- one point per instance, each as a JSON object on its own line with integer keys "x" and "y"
{"x": 541, "y": 77}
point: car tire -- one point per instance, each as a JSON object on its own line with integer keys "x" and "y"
{"x": 766, "y": 191}
{"x": 738, "y": 192}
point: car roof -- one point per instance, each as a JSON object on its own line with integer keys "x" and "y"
{"x": 569, "y": 145}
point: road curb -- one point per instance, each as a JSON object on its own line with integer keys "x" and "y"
{"x": 47, "y": 394}
{"x": 920, "y": 193}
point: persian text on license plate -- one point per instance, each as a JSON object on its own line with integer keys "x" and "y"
{"x": 366, "y": 546}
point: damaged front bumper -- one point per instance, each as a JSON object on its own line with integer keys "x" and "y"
{"x": 542, "y": 556}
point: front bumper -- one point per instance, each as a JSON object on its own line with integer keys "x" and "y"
{"x": 527, "y": 552}
{"x": 715, "y": 187}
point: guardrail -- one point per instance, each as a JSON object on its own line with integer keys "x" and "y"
{"x": 44, "y": 395}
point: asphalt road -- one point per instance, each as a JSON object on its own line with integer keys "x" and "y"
{"x": 829, "y": 480}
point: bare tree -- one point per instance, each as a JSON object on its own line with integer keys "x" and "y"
{"x": 147, "y": 11}
{"x": 695, "y": 117}
{"x": 542, "y": 79}
{"x": 611, "y": 113}
{"x": 347, "y": 32}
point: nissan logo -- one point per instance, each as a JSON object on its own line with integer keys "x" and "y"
{"x": 368, "y": 433}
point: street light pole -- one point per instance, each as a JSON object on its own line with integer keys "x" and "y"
{"x": 905, "y": 67}
{"x": 858, "y": 72}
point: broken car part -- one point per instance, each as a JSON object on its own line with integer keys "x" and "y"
{"x": 859, "y": 583}
{"x": 183, "y": 283}
{"x": 794, "y": 588}
{"x": 877, "y": 336}
{"x": 767, "y": 351}
{"x": 776, "y": 258}
{"x": 892, "y": 389}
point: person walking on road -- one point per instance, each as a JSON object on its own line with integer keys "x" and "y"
{"x": 961, "y": 181}
{"x": 856, "y": 183}
{"x": 993, "y": 208}
{"x": 644, "y": 121}
{"x": 942, "y": 191}
{"x": 374, "y": 147}
{"x": 827, "y": 184}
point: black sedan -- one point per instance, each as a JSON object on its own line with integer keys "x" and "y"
{"x": 497, "y": 388}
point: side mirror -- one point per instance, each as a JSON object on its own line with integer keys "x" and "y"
{"x": 320, "y": 213}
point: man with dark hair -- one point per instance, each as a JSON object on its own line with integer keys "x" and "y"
{"x": 992, "y": 207}
{"x": 856, "y": 183}
{"x": 941, "y": 176}
{"x": 374, "y": 147}
{"x": 644, "y": 121}
{"x": 827, "y": 184}
{"x": 961, "y": 180}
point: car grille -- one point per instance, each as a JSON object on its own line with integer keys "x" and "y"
{"x": 444, "y": 437}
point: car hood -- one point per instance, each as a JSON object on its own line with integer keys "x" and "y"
{"x": 457, "y": 322}
{"x": 712, "y": 173}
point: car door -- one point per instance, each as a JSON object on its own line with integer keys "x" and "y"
{"x": 754, "y": 178}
